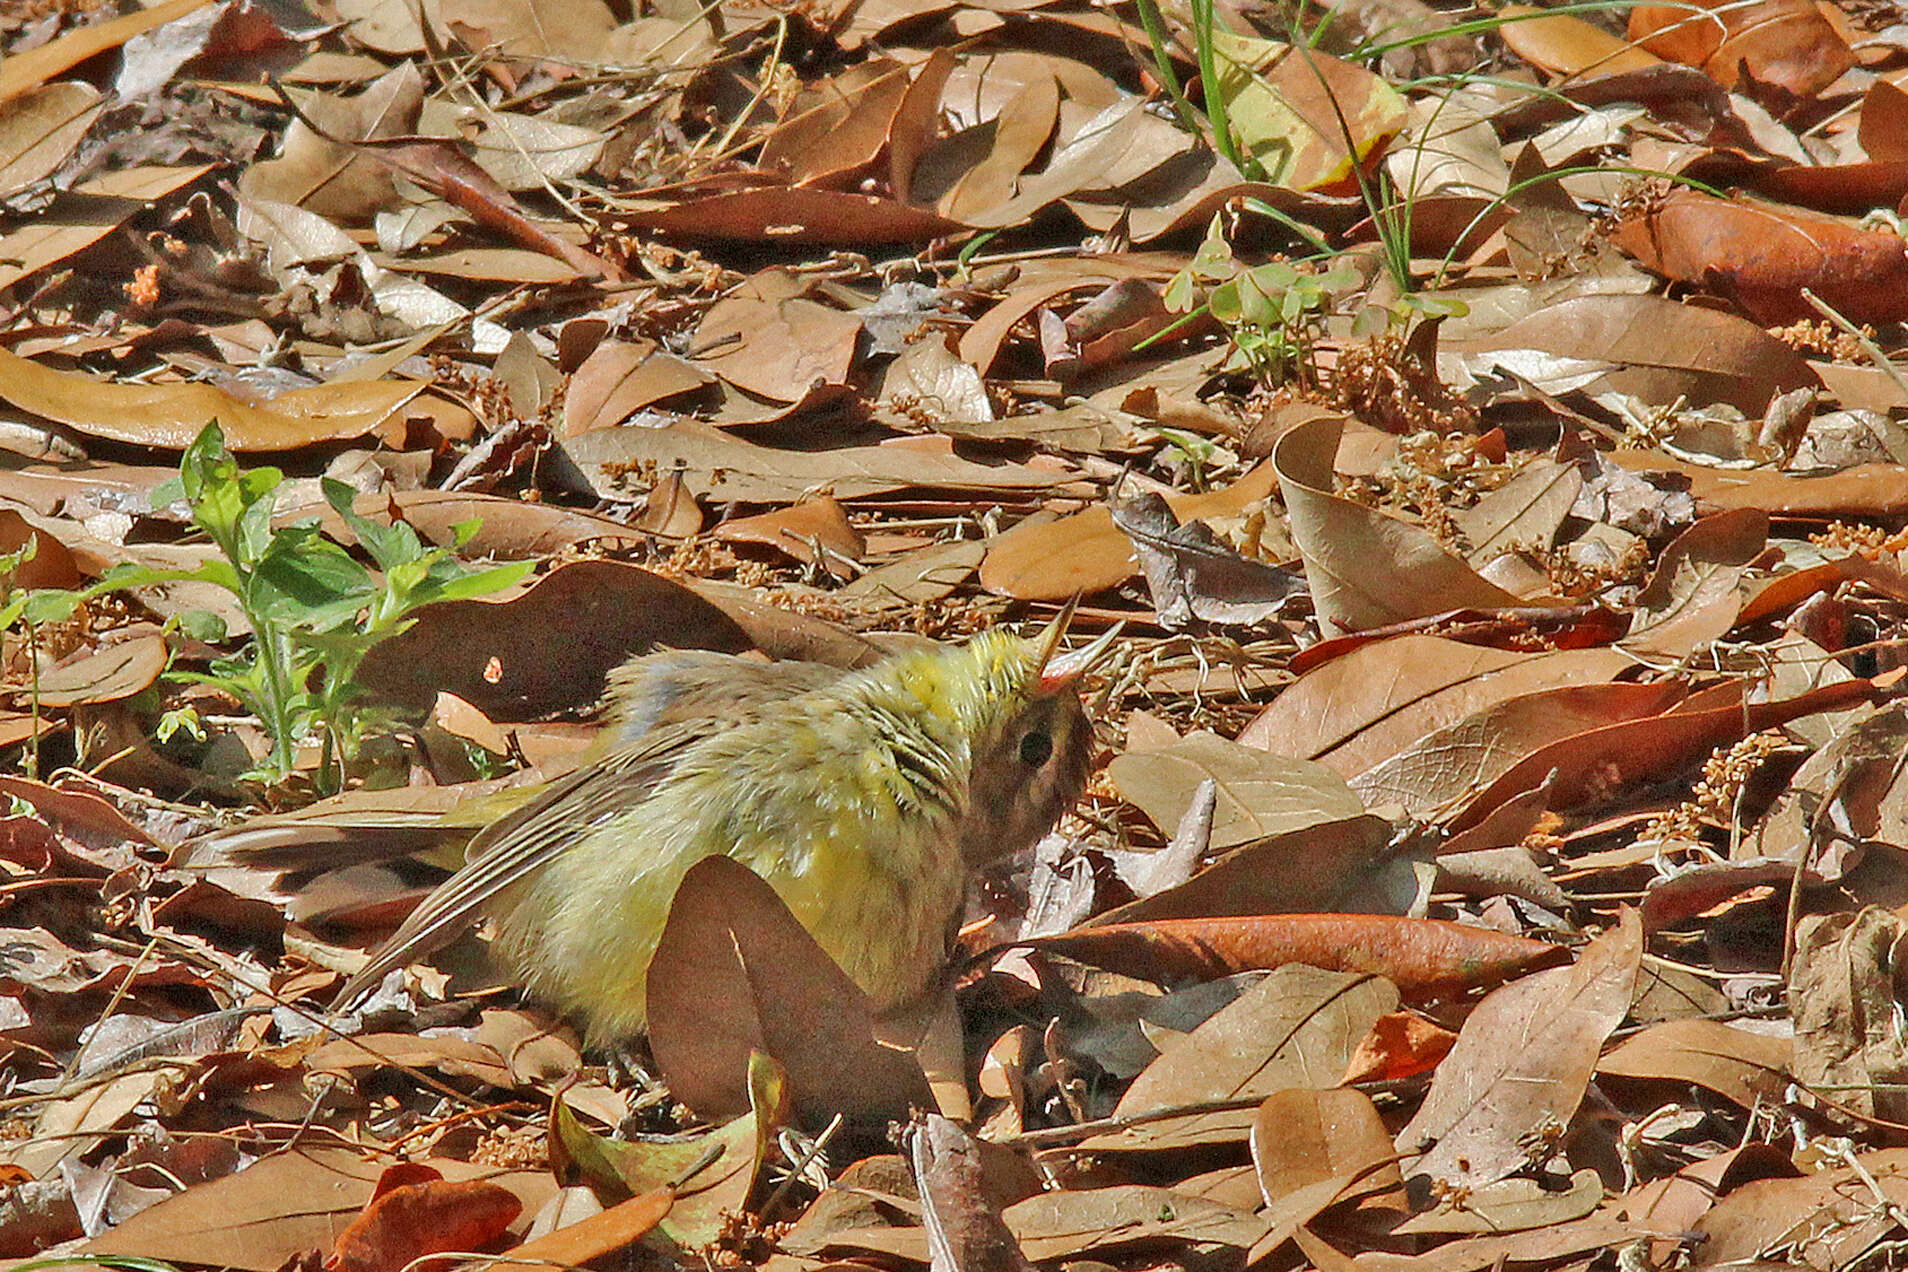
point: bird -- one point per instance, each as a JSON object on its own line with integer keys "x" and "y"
{"x": 861, "y": 797}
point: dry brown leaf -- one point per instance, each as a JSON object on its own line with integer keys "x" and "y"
{"x": 1843, "y": 988}
{"x": 1086, "y": 553}
{"x": 1692, "y": 597}
{"x": 736, "y": 973}
{"x": 1458, "y": 761}
{"x": 1522, "y": 1063}
{"x": 1260, "y": 795}
{"x": 816, "y": 531}
{"x": 1663, "y": 351}
{"x": 720, "y": 467}
{"x": 169, "y": 416}
{"x": 1763, "y": 255}
{"x": 87, "y": 214}
{"x": 30, "y": 68}
{"x": 1366, "y": 569}
{"x": 776, "y": 346}
{"x": 280, "y": 1207}
{"x": 39, "y": 129}
{"x": 1425, "y": 958}
{"x": 1349, "y": 866}
{"x": 1356, "y": 711}
{"x": 116, "y": 671}
{"x": 1293, "y": 1030}
{"x": 1735, "y": 1063}
{"x": 1567, "y": 45}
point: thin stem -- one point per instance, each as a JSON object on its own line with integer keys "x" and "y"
{"x": 1189, "y": 117}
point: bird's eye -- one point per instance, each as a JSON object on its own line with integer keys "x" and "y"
{"x": 1036, "y": 748}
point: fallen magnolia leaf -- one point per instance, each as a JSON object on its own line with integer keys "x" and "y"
{"x": 1521, "y": 1065}
{"x": 108, "y": 674}
{"x": 1295, "y": 109}
{"x": 1349, "y": 866}
{"x": 736, "y": 973}
{"x": 1662, "y": 351}
{"x": 1425, "y": 958}
{"x": 1599, "y": 761}
{"x": 1401, "y": 1044}
{"x": 1194, "y": 576}
{"x": 1366, "y": 569}
{"x": 40, "y": 128}
{"x": 1087, "y": 553}
{"x": 171, "y": 415}
{"x": 1303, "y": 1138}
{"x": 420, "y": 1214}
{"x": 1827, "y": 1217}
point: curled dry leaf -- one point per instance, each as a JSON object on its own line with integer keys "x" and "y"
{"x": 1194, "y": 576}
{"x": 1366, "y": 569}
{"x": 736, "y": 973}
{"x": 1843, "y": 989}
{"x": 1086, "y": 553}
{"x": 414, "y": 1217}
{"x": 1788, "y": 44}
{"x": 1692, "y": 597}
{"x": 1763, "y": 256}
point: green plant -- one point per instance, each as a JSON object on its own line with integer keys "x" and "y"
{"x": 1272, "y": 313}
{"x": 313, "y": 608}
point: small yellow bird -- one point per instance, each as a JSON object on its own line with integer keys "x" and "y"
{"x": 860, "y": 800}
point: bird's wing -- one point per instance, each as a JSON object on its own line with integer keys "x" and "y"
{"x": 522, "y": 842}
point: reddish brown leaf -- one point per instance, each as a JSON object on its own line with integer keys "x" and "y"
{"x": 1425, "y": 958}
{"x": 605, "y": 1232}
{"x": 1763, "y": 256}
{"x": 405, "y": 1221}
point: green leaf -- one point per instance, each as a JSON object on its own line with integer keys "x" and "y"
{"x": 203, "y": 625}
{"x": 389, "y": 546}
{"x": 482, "y": 582}
{"x": 50, "y": 605}
{"x": 1179, "y": 295}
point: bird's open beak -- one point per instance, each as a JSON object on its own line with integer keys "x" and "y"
{"x": 1061, "y": 670}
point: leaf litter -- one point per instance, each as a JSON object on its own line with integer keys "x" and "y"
{"x": 1487, "y": 426}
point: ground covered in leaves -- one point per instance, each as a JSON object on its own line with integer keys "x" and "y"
{"x": 1482, "y": 420}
